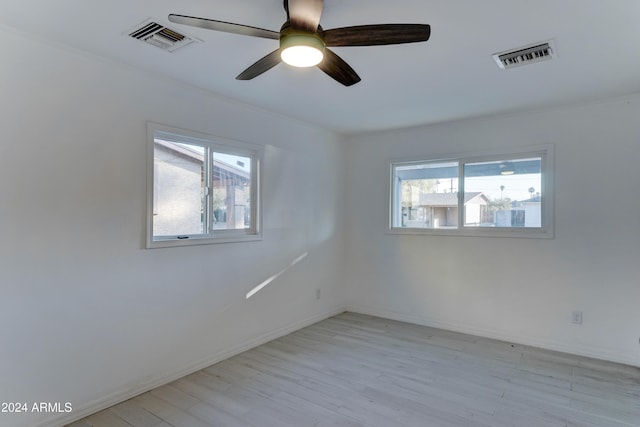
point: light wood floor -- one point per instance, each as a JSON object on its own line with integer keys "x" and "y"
{"x": 355, "y": 370}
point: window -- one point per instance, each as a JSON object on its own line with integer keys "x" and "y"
{"x": 507, "y": 194}
{"x": 201, "y": 189}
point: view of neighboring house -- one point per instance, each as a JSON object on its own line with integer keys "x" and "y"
{"x": 532, "y": 211}
{"x": 180, "y": 194}
{"x": 440, "y": 210}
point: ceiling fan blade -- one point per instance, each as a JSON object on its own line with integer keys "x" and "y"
{"x": 262, "y": 65}
{"x": 375, "y": 35}
{"x": 337, "y": 69}
{"x": 305, "y": 14}
{"x": 227, "y": 27}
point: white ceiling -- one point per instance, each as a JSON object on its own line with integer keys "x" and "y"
{"x": 452, "y": 76}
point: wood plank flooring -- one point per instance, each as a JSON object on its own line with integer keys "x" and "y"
{"x": 354, "y": 370}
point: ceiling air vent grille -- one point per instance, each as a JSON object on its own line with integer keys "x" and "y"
{"x": 525, "y": 55}
{"x": 160, "y": 36}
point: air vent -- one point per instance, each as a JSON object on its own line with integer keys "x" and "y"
{"x": 525, "y": 55}
{"x": 160, "y": 36}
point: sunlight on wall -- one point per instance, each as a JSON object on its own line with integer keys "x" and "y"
{"x": 255, "y": 290}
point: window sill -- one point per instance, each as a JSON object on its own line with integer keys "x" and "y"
{"x": 171, "y": 242}
{"x": 534, "y": 233}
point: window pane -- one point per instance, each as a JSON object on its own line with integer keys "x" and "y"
{"x": 231, "y": 192}
{"x": 201, "y": 189}
{"x": 426, "y": 195}
{"x": 504, "y": 193}
{"x": 178, "y": 189}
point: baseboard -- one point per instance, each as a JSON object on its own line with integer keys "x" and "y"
{"x": 125, "y": 394}
{"x": 586, "y": 351}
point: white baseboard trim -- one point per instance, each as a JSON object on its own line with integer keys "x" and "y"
{"x": 124, "y": 394}
{"x": 586, "y": 351}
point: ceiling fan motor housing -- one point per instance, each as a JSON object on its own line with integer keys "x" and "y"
{"x": 290, "y": 37}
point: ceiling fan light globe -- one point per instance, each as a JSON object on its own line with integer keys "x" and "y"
{"x": 301, "y": 50}
{"x": 302, "y": 56}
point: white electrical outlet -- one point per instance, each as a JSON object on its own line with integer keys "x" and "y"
{"x": 317, "y": 293}
{"x": 576, "y": 317}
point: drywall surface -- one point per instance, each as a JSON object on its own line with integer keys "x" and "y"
{"x": 522, "y": 290}
{"x": 90, "y": 316}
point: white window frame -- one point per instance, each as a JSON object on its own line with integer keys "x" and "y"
{"x": 545, "y": 152}
{"x": 216, "y": 144}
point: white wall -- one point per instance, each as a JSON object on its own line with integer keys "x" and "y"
{"x": 522, "y": 290}
{"x": 89, "y": 316}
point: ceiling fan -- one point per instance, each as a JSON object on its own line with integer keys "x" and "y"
{"x": 303, "y": 42}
